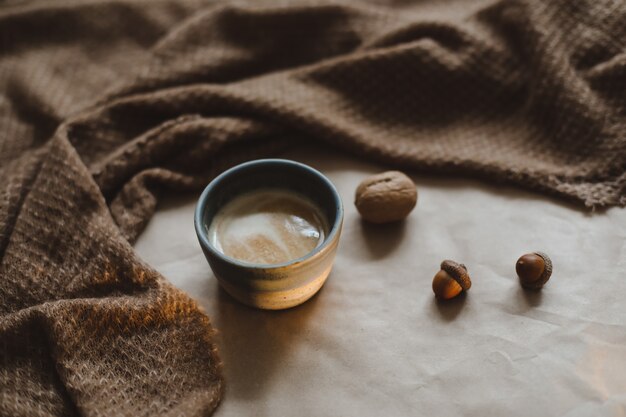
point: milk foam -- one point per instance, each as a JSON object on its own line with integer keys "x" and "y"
{"x": 268, "y": 227}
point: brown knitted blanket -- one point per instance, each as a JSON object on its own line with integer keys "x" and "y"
{"x": 106, "y": 103}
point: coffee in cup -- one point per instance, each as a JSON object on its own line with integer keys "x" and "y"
{"x": 268, "y": 226}
{"x": 270, "y": 229}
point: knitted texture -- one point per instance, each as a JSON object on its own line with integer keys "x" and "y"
{"x": 104, "y": 104}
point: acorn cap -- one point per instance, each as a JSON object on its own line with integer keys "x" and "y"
{"x": 545, "y": 276}
{"x": 458, "y": 272}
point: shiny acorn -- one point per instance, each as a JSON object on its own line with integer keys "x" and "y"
{"x": 451, "y": 280}
{"x": 534, "y": 270}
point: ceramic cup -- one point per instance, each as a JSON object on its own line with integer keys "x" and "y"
{"x": 271, "y": 286}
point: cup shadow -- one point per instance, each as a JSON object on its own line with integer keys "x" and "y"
{"x": 255, "y": 344}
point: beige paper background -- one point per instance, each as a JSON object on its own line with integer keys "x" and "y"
{"x": 374, "y": 342}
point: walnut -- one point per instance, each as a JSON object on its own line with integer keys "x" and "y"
{"x": 386, "y": 197}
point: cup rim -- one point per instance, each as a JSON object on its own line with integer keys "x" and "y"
{"x": 203, "y": 199}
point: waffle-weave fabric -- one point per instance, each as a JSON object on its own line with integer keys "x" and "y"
{"x": 106, "y": 104}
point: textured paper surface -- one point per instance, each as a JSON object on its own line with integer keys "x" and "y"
{"x": 375, "y": 342}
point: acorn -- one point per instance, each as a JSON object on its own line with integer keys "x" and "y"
{"x": 451, "y": 280}
{"x": 534, "y": 270}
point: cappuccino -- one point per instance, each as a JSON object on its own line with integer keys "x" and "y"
{"x": 268, "y": 226}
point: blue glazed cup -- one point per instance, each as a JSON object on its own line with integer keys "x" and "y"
{"x": 273, "y": 286}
